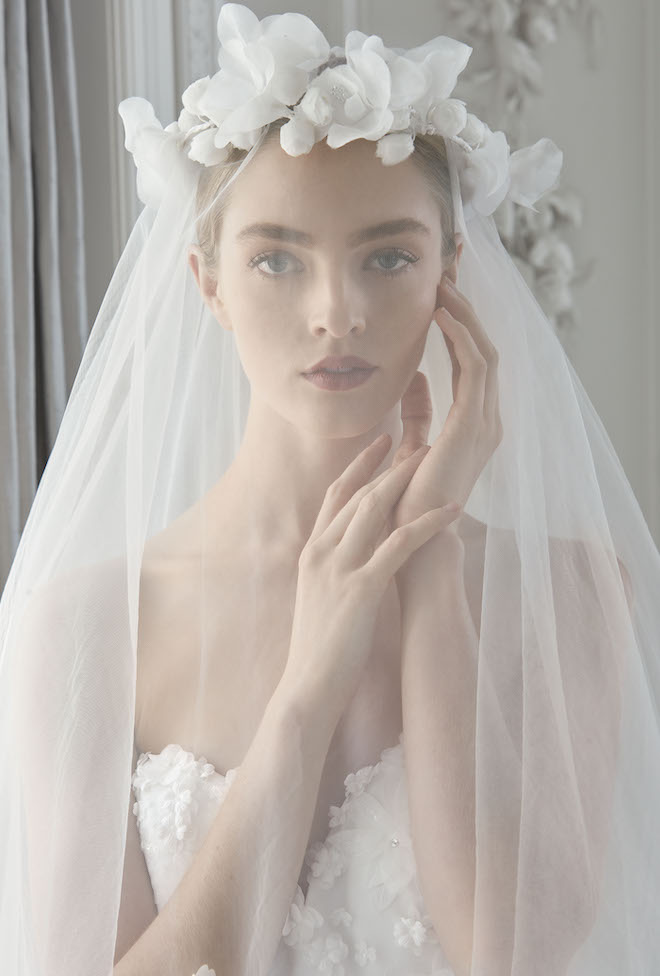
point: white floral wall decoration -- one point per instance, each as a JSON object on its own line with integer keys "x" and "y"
{"x": 502, "y": 77}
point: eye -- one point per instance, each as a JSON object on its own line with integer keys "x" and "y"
{"x": 278, "y": 258}
{"x": 395, "y": 254}
{"x": 278, "y": 262}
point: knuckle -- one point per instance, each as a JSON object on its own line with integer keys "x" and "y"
{"x": 403, "y": 533}
{"x": 335, "y": 489}
{"x": 368, "y": 503}
{"x": 312, "y": 552}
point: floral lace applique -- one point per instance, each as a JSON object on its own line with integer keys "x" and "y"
{"x": 341, "y": 917}
{"x": 356, "y": 782}
{"x": 167, "y": 786}
{"x": 326, "y": 864}
{"x": 327, "y": 954}
{"x": 412, "y": 932}
{"x": 301, "y": 921}
{"x": 337, "y": 816}
{"x": 364, "y": 954}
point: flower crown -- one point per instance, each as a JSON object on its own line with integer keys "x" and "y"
{"x": 282, "y": 67}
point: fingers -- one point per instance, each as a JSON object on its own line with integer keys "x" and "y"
{"x": 473, "y": 349}
{"x": 416, "y": 417}
{"x": 402, "y": 542}
{"x": 351, "y": 479}
{"x": 358, "y": 526}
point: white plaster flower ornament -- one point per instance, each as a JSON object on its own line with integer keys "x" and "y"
{"x": 283, "y": 67}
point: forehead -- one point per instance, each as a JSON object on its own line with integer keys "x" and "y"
{"x": 333, "y": 189}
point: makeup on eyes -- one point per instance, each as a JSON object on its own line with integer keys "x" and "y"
{"x": 400, "y": 253}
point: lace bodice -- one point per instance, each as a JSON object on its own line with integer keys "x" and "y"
{"x": 363, "y": 912}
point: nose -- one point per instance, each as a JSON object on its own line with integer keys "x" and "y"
{"x": 336, "y": 307}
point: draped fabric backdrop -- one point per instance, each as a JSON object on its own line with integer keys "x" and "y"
{"x": 43, "y": 317}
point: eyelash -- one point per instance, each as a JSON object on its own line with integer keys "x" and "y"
{"x": 409, "y": 258}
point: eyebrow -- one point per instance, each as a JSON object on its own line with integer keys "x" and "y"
{"x": 280, "y": 233}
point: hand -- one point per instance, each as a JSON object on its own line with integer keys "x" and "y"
{"x": 343, "y": 573}
{"x": 473, "y": 427}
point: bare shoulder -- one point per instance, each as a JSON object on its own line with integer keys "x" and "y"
{"x": 562, "y": 551}
{"x": 75, "y": 600}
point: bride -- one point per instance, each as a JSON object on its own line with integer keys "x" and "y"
{"x": 379, "y": 637}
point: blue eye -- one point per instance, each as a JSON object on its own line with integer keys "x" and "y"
{"x": 277, "y": 261}
{"x": 399, "y": 255}
{"x": 270, "y": 256}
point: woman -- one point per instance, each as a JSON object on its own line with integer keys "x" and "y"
{"x": 369, "y": 732}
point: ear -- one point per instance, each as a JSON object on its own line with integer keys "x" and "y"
{"x": 208, "y": 286}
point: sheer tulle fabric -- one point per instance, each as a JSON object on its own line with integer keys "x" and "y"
{"x": 567, "y": 744}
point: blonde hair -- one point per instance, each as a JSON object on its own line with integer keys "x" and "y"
{"x": 430, "y": 154}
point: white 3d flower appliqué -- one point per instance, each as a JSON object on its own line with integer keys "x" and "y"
{"x": 413, "y": 932}
{"x": 301, "y": 921}
{"x": 326, "y": 864}
{"x": 364, "y": 954}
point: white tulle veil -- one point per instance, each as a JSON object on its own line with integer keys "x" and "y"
{"x": 567, "y": 744}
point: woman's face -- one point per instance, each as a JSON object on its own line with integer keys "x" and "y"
{"x": 307, "y": 269}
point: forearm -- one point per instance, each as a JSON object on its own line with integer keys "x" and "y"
{"x": 230, "y": 907}
{"x": 439, "y": 652}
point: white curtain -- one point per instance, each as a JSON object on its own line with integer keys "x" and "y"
{"x": 43, "y": 307}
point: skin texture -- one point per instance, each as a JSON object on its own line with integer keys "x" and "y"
{"x": 303, "y": 303}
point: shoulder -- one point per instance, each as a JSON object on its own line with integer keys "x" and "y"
{"x": 572, "y": 555}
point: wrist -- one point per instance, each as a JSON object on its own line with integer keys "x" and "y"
{"x": 443, "y": 553}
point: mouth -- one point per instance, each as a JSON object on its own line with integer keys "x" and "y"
{"x": 339, "y": 379}
{"x": 339, "y": 364}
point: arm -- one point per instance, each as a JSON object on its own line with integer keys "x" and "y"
{"x": 230, "y": 907}
{"x": 439, "y": 647}
{"x": 438, "y": 700}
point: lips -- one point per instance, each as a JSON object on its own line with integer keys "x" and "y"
{"x": 340, "y": 362}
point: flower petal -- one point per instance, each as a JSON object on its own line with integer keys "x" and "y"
{"x": 534, "y": 170}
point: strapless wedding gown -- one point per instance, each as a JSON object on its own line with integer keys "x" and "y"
{"x": 363, "y": 912}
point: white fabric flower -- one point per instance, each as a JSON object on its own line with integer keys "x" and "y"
{"x": 364, "y": 954}
{"x": 264, "y": 69}
{"x": 327, "y": 955}
{"x": 326, "y": 864}
{"x": 155, "y": 150}
{"x": 341, "y": 917}
{"x": 301, "y": 921}
{"x": 484, "y": 175}
{"x": 412, "y": 932}
{"x": 376, "y": 831}
{"x": 353, "y": 97}
{"x": 355, "y": 783}
{"x": 204, "y": 971}
{"x": 534, "y": 170}
{"x": 336, "y": 816}
{"x": 394, "y": 147}
{"x": 449, "y": 117}
{"x": 474, "y": 132}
